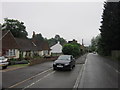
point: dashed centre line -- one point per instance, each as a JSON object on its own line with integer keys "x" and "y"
{"x": 29, "y": 78}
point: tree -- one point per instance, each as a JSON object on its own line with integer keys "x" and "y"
{"x": 93, "y": 44}
{"x": 110, "y": 28}
{"x": 57, "y": 38}
{"x": 38, "y": 37}
{"x": 16, "y": 27}
{"x": 71, "y": 49}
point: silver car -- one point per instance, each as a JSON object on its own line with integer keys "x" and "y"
{"x": 3, "y": 62}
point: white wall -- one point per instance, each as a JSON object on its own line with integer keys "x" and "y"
{"x": 57, "y": 48}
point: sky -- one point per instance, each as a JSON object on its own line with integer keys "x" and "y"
{"x": 71, "y": 19}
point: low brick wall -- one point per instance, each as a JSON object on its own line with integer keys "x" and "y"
{"x": 41, "y": 60}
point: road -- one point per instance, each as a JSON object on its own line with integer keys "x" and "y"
{"x": 99, "y": 73}
{"x": 41, "y": 75}
{"x": 95, "y": 73}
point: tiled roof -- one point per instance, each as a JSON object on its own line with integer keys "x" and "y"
{"x": 43, "y": 45}
{"x": 8, "y": 41}
{"x": 26, "y": 44}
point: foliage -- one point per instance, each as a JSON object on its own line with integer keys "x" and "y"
{"x": 94, "y": 43}
{"x": 71, "y": 49}
{"x": 16, "y": 27}
{"x": 39, "y": 37}
{"x": 57, "y": 38}
{"x": 110, "y": 28}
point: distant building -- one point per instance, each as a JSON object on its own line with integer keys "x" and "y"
{"x": 56, "y": 49}
{"x": 73, "y": 41}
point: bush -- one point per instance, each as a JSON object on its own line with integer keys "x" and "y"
{"x": 71, "y": 49}
{"x": 12, "y": 61}
{"x": 22, "y": 62}
{"x": 15, "y": 61}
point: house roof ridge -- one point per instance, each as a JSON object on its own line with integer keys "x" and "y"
{"x": 14, "y": 38}
{"x": 5, "y": 34}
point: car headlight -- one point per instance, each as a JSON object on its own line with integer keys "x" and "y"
{"x": 54, "y": 63}
{"x": 66, "y": 64}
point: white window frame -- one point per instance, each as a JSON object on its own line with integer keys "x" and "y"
{"x": 45, "y": 52}
{"x": 11, "y": 52}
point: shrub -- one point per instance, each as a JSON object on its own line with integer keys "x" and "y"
{"x": 71, "y": 49}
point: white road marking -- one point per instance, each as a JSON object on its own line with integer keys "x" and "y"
{"x": 112, "y": 68}
{"x": 79, "y": 76}
{"x": 29, "y": 78}
{"x": 38, "y": 80}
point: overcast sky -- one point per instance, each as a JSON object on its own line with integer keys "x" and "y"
{"x": 71, "y": 20}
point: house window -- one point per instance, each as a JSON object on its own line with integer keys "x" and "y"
{"x": 12, "y": 52}
{"x": 45, "y": 52}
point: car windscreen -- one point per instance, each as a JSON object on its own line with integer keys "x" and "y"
{"x": 2, "y": 58}
{"x": 64, "y": 57}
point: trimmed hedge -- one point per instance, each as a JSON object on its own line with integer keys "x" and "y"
{"x": 14, "y": 62}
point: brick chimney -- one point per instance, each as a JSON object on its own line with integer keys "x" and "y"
{"x": 33, "y": 34}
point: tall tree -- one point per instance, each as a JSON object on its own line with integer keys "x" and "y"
{"x": 110, "y": 28}
{"x": 93, "y": 44}
{"x": 16, "y": 27}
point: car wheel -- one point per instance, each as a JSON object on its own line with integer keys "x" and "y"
{"x": 4, "y": 67}
{"x": 73, "y": 65}
{"x": 70, "y": 68}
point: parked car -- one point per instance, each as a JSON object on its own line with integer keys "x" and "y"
{"x": 64, "y": 62}
{"x": 94, "y": 52}
{"x": 3, "y": 62}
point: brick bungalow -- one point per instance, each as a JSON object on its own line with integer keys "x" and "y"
{"x": 16, "y": 47}
{"x": 43, "y": 47}
{"x": 9, "y": 46}
{"x": 27, "y": 47}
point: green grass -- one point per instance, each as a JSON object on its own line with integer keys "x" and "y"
{"x": 19, "y": 65}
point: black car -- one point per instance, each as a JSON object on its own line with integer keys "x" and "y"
{"x": 64, "y": 62}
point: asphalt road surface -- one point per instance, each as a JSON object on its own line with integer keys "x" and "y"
{"x": 42, "y": 76}
{"x": 99, "y": 73}
{"x": 90, "y": 72}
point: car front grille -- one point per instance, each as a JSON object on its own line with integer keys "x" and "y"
{"x": 60, "y": 64}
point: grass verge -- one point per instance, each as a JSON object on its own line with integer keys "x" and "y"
{"x": 19, "y": 65}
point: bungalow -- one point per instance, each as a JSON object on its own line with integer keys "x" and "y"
{"x": 8, "y": 46}
{"x": 27, "y": 48}
{"x": 42, "y": 46}
{"x": 16, "y": 47}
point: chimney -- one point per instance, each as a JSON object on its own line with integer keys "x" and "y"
{"x": 33, "y": 34}
{"x": 82, "y": 42}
